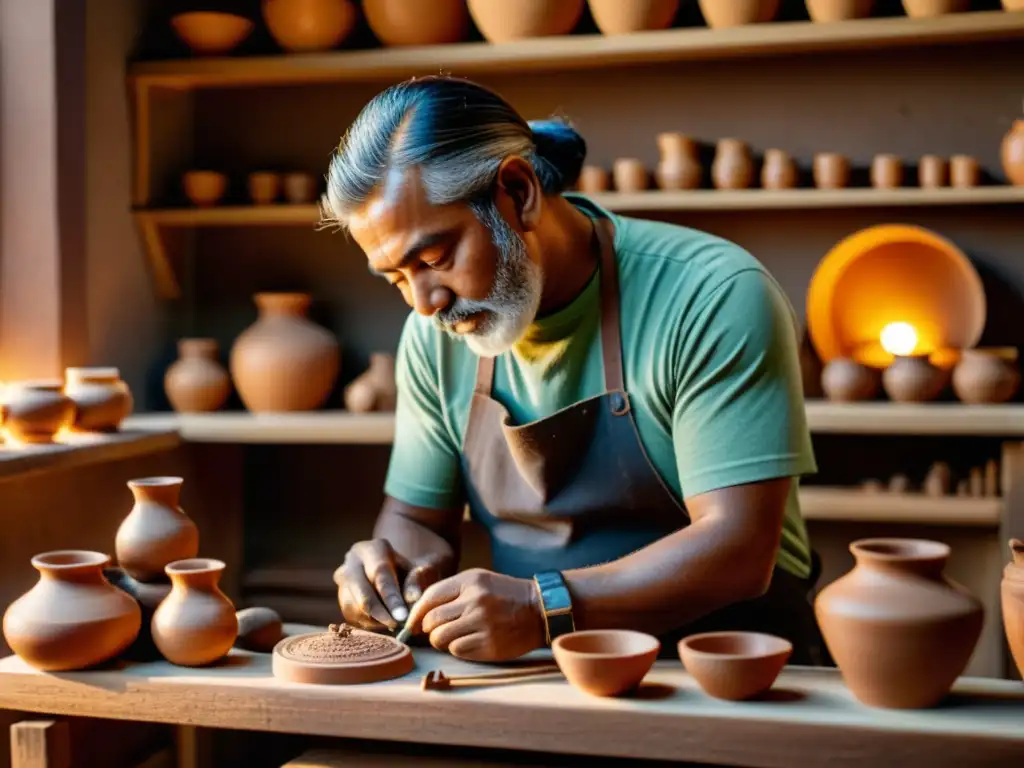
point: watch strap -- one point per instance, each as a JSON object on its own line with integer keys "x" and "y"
{"x": 556, "y": 603}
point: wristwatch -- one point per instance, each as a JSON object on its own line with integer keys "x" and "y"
{"x": 556, "y": 603}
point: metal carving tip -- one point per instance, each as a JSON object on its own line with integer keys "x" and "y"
{"x": 403, "y": 635}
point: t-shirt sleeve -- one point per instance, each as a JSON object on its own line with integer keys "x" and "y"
{"x": 738, "y": 413}
{"x": 424, "y": 469}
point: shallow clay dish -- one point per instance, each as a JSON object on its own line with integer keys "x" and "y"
{"x": 211, "y": 33}
{"x": 314, "y": 658}
{"x": 734, "y": 665}
{"x": 605, "y": 662}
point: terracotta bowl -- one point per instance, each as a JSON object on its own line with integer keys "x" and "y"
{"x": 734, "y": 665}
{"x": 204, "y": 187}
{"x": 211, "y": 33}
{"x": 605, "y": 662}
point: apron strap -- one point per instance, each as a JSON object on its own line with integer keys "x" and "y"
{"x": 484, "y": 375}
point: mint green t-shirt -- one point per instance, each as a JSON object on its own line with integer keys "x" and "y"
{"x": 709, "y": 349}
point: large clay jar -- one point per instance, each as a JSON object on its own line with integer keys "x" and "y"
{"x": 196, "y": 624}
{"x": 679, "y": 166}
{"x": 914, "y": 379}
{"x": 309, "y": 25}
{"x": 847, "y": 381}
{"x": 196, "y": 381}
{"x": 413, "y": 22}
{"x": 283, "y": 361}
{"x": 615, "y": 17}
{"x": 148, "y": 595}
{"x": 37, "y": 410}
{"x": 1012, "y": 590}
{"x": 732, "y": 167}
{"x": 502, "y": 20}
{"x": 73, "y": 618}
{"x": 826, "y": 11}
{"x": 920, "y": 9}
{"x": 733, "y": 13}
{"x": 156, "y": 531}
{"x": 1012, "y": 154}
{"x": 102, "y": 400}
{"x": 899, "y": 630}
{"x": 374, "y": 389}
{"x": 986, "y": 375}
{"x": 779, "y": 170}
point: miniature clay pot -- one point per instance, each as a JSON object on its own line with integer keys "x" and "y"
{"x": 679, "y": 166}
{"x": 197, "y": 382}
{"x": 259, "y": 629}
{"x": 1012, "y": 154}
{"x": 37, "y": 410}
{"x": 204, "y": 188}
{"x": 593, "y": 179}
{"x": 921, "y": 9}
{"x": 309, "y": 25}
{"x": 73, "y": 618}
{"x": 830, "y": 171}
{"x": 827, "y": 11}
{"x": 500, "y": 20}
{"x": 614, "y": 17}
{"x": 963, "y": 171}
{"x": 605, "y": 662}
{"x": 102, "y": 400}
{"x": 939, "y": 480}
{"x": 1012, "y": 594}
{"x": 733, "y": 13}
{"x": 211, "y": 33}
{"x": 300, "y": 188}
{"x": 374, "y": 389}
{"x": 156, "y": 531}
{"x": 264, "y": 187}
{"x": 732, "y": 167}
{"x": 932, "y": 172}
{"x": 914, "y": 379}
{"x": 196, "y": 625}
{"x": 148, "y": 596}
{"x": 734, "y": 665}
{"x": 899, "y": 630}
{"x": 629, "y": 175}
{"x": 987, "y": 375}
{"x": 778, "y": 171}
{"x": 846, "y": 381}
{"x": 886, "y": 172}
{"x": 411, "y": 22}
{"x": 284, "y": 361}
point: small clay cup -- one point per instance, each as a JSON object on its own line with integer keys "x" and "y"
{"x": 605, "y": 662}
{"x": 630, "y": 175}
{"x": 593, "y": 179}
{"x": 830, "y": 170}
{"x": 734, "y": 665}
{"x": 299, "y": 188}
{"x": 987, "y": 375}
{"x": 264, "y": 187}
{"x": 964, "y": 172}
{"x": 886, "y": 172}
{"x": 914, "y": 379}
{"x": 932, "y": 172}
{"x": 779, "y": 170}
{"x": 846, "y": 381}
{"x": 204, "y": 188}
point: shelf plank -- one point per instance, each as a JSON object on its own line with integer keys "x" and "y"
{"x": 854, "y": 505}
{"x": 574, "y": 52}
{"x": 884, "y": 418}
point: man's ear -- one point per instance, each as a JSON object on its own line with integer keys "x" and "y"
{"x": 520, "y": 184}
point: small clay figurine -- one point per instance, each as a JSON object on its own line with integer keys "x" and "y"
{"x": 938, "y": 480}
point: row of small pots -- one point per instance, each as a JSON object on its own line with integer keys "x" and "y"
{"x": 206, "y": 187}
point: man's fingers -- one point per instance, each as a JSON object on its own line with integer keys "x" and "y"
{"x": 472, "y": 647}
{"x": 442, "y": 614}
{"x": 365, "y": 596}
{"x": 354, "y": 613}
{"x": 379, "y": 565}
{"x": 446, "y": 634}
{"x": 420, "y": 576}
{"x": 440, "y": 593}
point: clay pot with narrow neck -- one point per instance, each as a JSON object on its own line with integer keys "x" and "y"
{"x": 989, "y": 375}
{"x": 37, "y": 410}
{"x": 914, "y": 379}
{"x": 156, "y": 531}
{"x": 922, "y": 9}
{"x": 374, "y": 389}
{"x": 1012, "y": 154}
{"x": 733, "y": 13}
{"x": 828, "y": 11}
{"x": 1012, "y": 598}
{"x": 679, "y": 166}
{"x": 831, "y": 170}
{"x": 732, "y": 167}
{"x": 899, "y": 630}
{"x": 413, "y": 22}
{"x": 102, "y": 400}
{"x": 614, "y": 17}
{"x": 847, "y": 381}
{"x": 284, "y": 361}
{"x": 309, "y": 25}
{"x": 196, "y": 624}
{"x": 779, "y": 170}
{"x": 73, "y": 618}
{"x": 196, "y": 381}
{"x": 500, "y": 20}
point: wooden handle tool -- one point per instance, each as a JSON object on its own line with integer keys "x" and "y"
{"x": 437, "y": 680}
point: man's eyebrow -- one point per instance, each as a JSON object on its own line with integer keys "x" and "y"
{"x": 424, "y": 243}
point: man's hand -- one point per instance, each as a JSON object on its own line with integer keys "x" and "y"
{"x": 481, "y": 616}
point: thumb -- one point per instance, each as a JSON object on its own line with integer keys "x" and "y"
{"x": 422, "y": 574}
{"x": 440, "y": 593}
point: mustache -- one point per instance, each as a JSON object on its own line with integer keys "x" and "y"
{"x": 461, "y": 309}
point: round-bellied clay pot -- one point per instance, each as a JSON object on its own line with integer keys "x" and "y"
{"x": 594, "y": 178}
{"x": 921, "y": 9}
{"x": 615, "y": 17}
{"x": 37, "y": 410}
{"x": 886, "y": 172}
{"x": 629, "y": 175}
{"x": 734, "y": 665}
{"x": 827, "y": 11}
{"x": 284, "y": 361}
{"x": 374, "y": 389}
{"x": 73, "y": 618}
{"x": 778, "y": 170}
{"x": 148, "y": 595}
{"x": 732, "y": 168}
{"x": 964, "y": 171}
{"x": 1012, "y": 154}
{"x": 204, "y": 188}
{"x": 502, "y": 20}
{"x": 197, "y": 382}
{"x": 264, "y": 187}
{"x": 102, "y": 400}
{"x": 830, "y": 170}
{"x": 987, "y": 375}
{"x": 1012, "y": 594}
{"x": 413, "y": 22}
{"x": 733, "y": 13}
{"x": 605, "y": 662}
{"x": 156, "y": 531}
{"x": 210, "y": 33}
{"x": 847, "y": 381}
{"x": 899, "y": 630}
{"x": 309, "y": 25}
{"x": 932, "y": 172}
{"x": 196, "y": 624}
{"x": 914, "y": 379}
{"x": 679, "y": 166}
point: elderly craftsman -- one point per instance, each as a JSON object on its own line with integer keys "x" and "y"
{"x": 618, "y": 401}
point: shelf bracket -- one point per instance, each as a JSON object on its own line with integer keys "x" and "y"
{"x": 155, "y": 242}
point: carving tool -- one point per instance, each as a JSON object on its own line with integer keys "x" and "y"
{"x": 437, "y": 680}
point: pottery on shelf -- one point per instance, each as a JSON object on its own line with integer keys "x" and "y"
{"x": 932, "y": 172}
{"x": 899, "y": 630}
{"x": 846, "y": 381}
{"x": 36, "y": 411}
{"x": 779, "y": 170}
{"x": 679, "y": 166}
{"x": 615, "y": 17}
{"x": 204, "y": 188}
{"x": 196, "y": 624}
{"x": 629, "y": 174}
{"x": 899, "y": 483}
{"x": 593, "y": 179}
{"x": 732, "y": 168}
{"x": 197, "y": 382}
{"x": 300, "y": 188}
{"x": 921, "y": 9}
{"x": 827, "y": 11}
{"x": 156, "y": 531}
{"x": 148, "y": 595}
{"x": 309, "y": 25}
{"x": 502, "y": 20}
{"x": 733, "y": 13}
{"x": 284, "y": 361}
{"x": 259, "y": 629}
{"x": 264, "y": 187}
{"x": 886, "y": 172}
{"x": 963, "y": 171}
{"x": 1012, "y": 598}
{"x": 605, "y": 662}
{"x": 211, "y": 33}
{"x": 914, "y": 379}
{"x": 734, "y": 665}
{"x": 987, "y": 375}
{"x": 830, "y": 170}
{"x": 73, "y": 618}
{"x": 413, "y": 22}
{"x": 938, "y": 481}
{"x": 1012, "y": 154}
{"x": 374, "y": 389}
{"x": 102, "y": 400}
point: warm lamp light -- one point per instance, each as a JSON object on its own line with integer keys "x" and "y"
{"x": 898, "y": 339}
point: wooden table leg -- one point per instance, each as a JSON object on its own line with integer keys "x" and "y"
{"x": 40, "y": 744}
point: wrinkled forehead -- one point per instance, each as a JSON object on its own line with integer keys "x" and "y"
{"x": 396, "y": 213}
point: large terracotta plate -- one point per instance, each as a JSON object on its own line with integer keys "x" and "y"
{"x": 390, "y": 662}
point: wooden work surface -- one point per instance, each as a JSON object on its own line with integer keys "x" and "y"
{"x": 810, "y": 719}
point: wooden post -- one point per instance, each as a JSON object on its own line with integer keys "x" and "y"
{"x": 40, "y": 744}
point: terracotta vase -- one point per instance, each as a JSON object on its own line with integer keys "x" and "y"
{"x": 963, "y": 171}
{"x": 309, "y": 25}
{"x": 148, "y": 596}
{"x": 921, "y": 9}
{"x": 413, "y": 22}
{"x": 1012, "y": 154}
{"x": 986, "y": 375}
{"x": 886, "y": 172}
{"x": 1012, "y": 594}
{"x": 899, "y": 630}
{"x": 831, "y": 171}
{"x": 914, "y": 379}
{"x": 196, "y": 625}
{"x": 932, "y": 172}
{"x": 102, "y": 400}
{"x": 300, "y": 188}
{"x": 197, "y": 382}
{"x": 593, "y": 179}
{"x": 502, "y": 20}
{"x": 629, "y": 175}
{"x": 732, "y": 167}
{"x": 679, "y": 166}
{"x": 73, "y": 618}
{"x": 827, "y": 11}
{"x": 733, "y": 13}
{"x": 156, "y": 531}
{"x": 615, "y": 17}
{"x": 374, "y": 389}
{"x": 284, "y": 361}
{"x": 778, "y": 171}
{"x": 264, "y": 187}
{"x": 37, "y": 410}
{"x": 847, "y": 381}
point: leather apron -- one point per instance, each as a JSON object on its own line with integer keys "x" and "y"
{"x": 576, "y": 489}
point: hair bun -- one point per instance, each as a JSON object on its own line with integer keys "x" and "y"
{"x": 561, "y": 151}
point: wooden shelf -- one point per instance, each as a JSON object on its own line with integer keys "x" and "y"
{"x": 853, "y": 505}
{"x": 883, "y": 418}
{"x": 578, "y": 51}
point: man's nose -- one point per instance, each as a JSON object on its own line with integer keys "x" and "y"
{"x": 429, "y": 297}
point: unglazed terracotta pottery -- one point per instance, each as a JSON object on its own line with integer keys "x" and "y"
{"x": 300, "y": 188}
{"x": 102, "y": 400}
{"x": 196, "y": 625}
{"x": 211, "y": 33}
{"x": 732, "y": 168}
{"x": 778, "y": 171}
{"x": 502, "y": 20}
{"x": 615, "y": 17}
{"x": 899, "y": 483}
{"x": 264, "y": 187}
{"x": 594, "y": 178}
{"x": 827, "y": 11}
{"x": 630, "y": 175}
{"x": 932, "y": 172}
{"x": 830, "y": 170}
{"x": 413, "y": 22}
{"x": 204, "y": 188}
{"x": 920, "y": 9}
{"x": 914, "y": 379}
{"x": 939, "y": 480}
{"x": 73, "y": 618}
{"x": 733, "y": 13}
{"x": 734, "y": 665}
{"x": 899, "y": 630}
{"x": 156, "y": 531}
{"x": 987, "y": 375}
{"x": 605, "y": 662}
{"x": 37, "y": 410}
{"x": 148, "y": 596}
{"x": 1012, "y": 593}
{"x": 309, "y": 25}
{"x": 284, "y": 361}
{"x": 197, "y": 382}
{"x": 1013, "y": 5}
{"x": 1012, "y": 154}
{"x": 886, "y": 172}
{"x": 340, "y": 656}
{"x": 374, "y": 389}
{"x": 847, "y": 381}
{"x": 963, "y": 171}
{"x": 259, "y": 629}
{"x": 679, "y": 166}
{"x": 991, "y": 478}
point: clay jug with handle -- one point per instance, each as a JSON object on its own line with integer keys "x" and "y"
{"x": 156, "y": 531}
{"x": 196, "y": 624}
